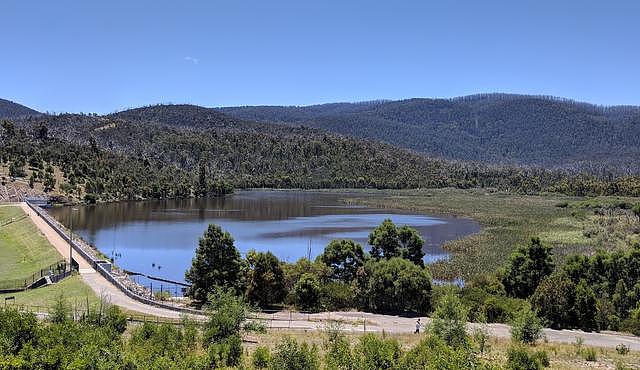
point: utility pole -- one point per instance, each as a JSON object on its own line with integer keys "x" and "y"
{"x": 71, "y": 238}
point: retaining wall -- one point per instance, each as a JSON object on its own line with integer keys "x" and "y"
{"x": 100, "y": 266}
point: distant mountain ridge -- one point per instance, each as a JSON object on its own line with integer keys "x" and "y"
{"x": 9, "y": 109}
{"x": 493, "y": 128}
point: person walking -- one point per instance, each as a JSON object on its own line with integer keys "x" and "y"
{"x": 418, "y": 325}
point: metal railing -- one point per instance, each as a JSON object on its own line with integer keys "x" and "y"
{"x": 53, "y": 270}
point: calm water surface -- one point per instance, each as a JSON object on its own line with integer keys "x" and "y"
{"x": 159, "y": 237}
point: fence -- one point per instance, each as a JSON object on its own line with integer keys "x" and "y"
{"x": 55, "y": 270}
{"x": 272, "y": 320}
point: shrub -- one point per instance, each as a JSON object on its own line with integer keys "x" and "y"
{"x": 450, "y": 320}
{"x": 307, "y": 292}
{"x": 433, "y": 353}
{"x": 162, "y": 296}
{"x": 622, "y": 349}
{"x": 632, "y": 324}
{"x": 589, "y": 354}
{"x": 526, "y": 328}
{"x": 554, "y": 299}
{"x": 337, "y": 349}
{"x": 225, "y": 352}
{"x": 337, "y": 296}
{"x": 527, "y": 266}
{"x": 265, "y": 279}
{"x": 16, "y": 330}
{"x": 261, "y": 357}
{"x": 481, "y": 337}
{"x": 396, "y": 285}
{"x": 518, "y": 358}
{"x": 115, "y": 319}
{"x": 289, "y": 355}
{"x": 373, "y": 352}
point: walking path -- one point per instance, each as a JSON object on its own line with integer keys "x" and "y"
{"x": 94, "y": 280}
{"x": 353, "y": 321}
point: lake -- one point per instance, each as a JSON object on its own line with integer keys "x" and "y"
{"x": 159, "y": 237}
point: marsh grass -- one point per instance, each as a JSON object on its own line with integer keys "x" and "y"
{"x": 580, "y": 225}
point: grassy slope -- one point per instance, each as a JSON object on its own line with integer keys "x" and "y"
{"x": 23, "y": 249}
{"x": 508, "y": 220}
{"x": 73, "y": 289}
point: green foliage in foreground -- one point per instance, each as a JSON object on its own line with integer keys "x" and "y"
{"x": 96, "y": 341}
{"x": 450, "y": 321}
{"x": 526, "y": 327}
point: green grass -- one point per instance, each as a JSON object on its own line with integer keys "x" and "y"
{"x": 23, "y": 249}
{"x": 73, "y": 289}
{"x": 509, "y": 220}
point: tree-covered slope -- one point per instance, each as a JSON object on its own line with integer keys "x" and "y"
{"x": 9, "y": 109}
{"x": 181, "y": 151}
{"x": 494, "y": 128}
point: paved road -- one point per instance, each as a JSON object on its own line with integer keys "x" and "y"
{"x": 354, "y": 321}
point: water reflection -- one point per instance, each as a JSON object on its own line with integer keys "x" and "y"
{"x": 159, "y": 237}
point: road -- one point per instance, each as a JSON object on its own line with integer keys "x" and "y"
{"x": 353, "y": 321}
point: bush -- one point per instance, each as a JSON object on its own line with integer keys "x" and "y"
{"x": 225, "y": 352}
{"x": 450, "y": 320}
{"x": 433, "y": 353}
{"x": 307, "y": 292}
{"x": 622, "y": 349}
{"x": 554, "y": 299}
{"x": 395, "y": 285}
{"x": 518, "y": 358}
{"x": 337, "y": 296}
{"x": 115, "y": 319}
{"x": 16, "y": 330}
{"x": 589, "y": 354}
{"x": 227, "y": 312}
{"x": 526, "y": 328}
{"x": 527, "y": 266}
{"x": 289, "y": 355}
{"x": 261, "y": 357}
{"x": 632, "y": 324}
{"x": 162, "y": 296}
{"x": 337, "y": 349}
{"x": 373, "y": 352}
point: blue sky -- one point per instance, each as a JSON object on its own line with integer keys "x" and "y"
{"x": 101, "y": 56}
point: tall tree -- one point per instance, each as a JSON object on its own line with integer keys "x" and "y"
{"x": 344, "y": 257}
{"x": 265, "y": 284}
{"x": 389, "y": 241}
{"x": 412, "y": 244}
{"x": 217, "y": 264}
{"x": 527, "y": 266}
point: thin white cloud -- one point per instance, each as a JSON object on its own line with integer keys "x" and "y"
{"x": 192, "y": 60}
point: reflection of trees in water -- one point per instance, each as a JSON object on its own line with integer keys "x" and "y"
{"x": 266, "y": 205}
{"x": 254, "y": 206}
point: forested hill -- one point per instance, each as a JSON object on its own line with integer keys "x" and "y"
{"x": 493, "y": 128}
{"x": 182, "y": 151}
{"x": 183, "y": 115}
{"x": 9, "y": 109}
